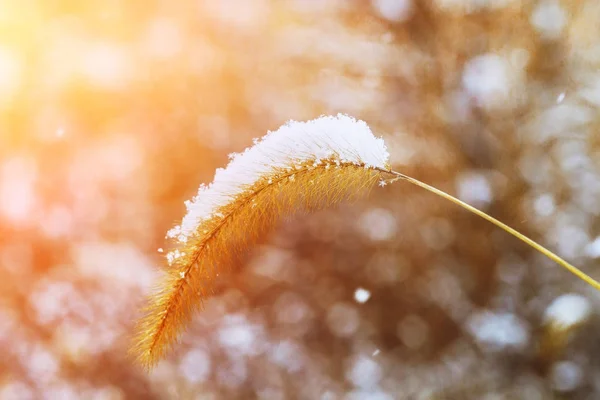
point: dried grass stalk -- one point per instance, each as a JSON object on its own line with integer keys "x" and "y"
{"x": 301, "y": 167}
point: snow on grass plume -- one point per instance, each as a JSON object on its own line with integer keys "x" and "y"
{"x": 303, "y": 166}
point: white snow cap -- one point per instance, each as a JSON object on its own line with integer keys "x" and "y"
{"x": 343, "y": 138}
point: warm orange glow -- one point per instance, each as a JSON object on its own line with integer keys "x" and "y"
{"x": 113, "y": 112}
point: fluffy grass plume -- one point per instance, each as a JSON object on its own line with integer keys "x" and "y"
{"x": 302, "y": 166}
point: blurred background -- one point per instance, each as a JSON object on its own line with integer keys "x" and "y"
{"x": 112, "y": 113}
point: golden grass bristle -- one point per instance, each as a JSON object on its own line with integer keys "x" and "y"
{"x": 220, "y": 241}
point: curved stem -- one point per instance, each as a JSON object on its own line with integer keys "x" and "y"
{"x": 571, "y": 268}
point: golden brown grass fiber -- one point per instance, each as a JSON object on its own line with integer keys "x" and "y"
{"x": 218, "y": 242}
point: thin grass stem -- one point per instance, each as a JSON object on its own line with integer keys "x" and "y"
{"x": 563, "y": 263}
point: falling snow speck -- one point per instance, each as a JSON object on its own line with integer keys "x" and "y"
{"x": 362, "y": 295}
